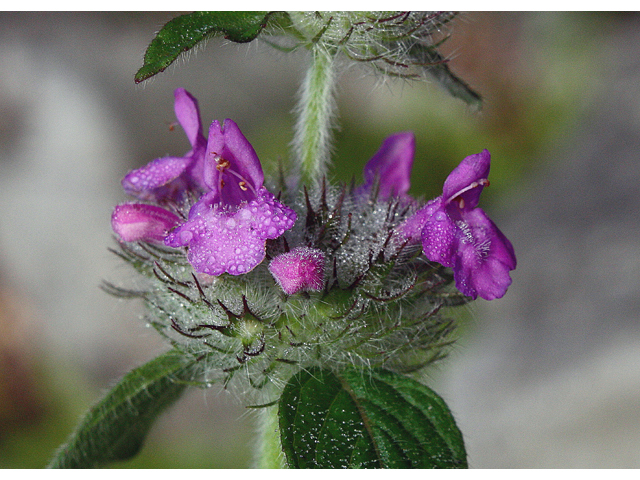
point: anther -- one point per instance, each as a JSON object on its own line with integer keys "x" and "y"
{"x": 243, "y": 186}
{"x": 222, "y": 164}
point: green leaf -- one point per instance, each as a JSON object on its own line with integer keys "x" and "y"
{"x": 366, "y": 419}
{"x": 456, "y": 86}
{"x": 115, "y": 428}
{"x": 436, "y": 66}
{"x": 186, "y": 31}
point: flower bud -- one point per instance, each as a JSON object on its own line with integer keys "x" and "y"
{"x": 136, "y": 222}
{"x": 300, "y": 269}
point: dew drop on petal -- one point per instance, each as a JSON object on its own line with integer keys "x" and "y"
{"x": 186, "y": 236}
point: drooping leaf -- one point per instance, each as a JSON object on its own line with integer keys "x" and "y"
{"x": 436, "y": 66}
{"x": 366, "y": 419}
{"x": 115, "y": 428}
{"x": 186, "y": 31}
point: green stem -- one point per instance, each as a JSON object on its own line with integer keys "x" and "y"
{"x": 270, "y": 449}
{"x": 316, "y": 107}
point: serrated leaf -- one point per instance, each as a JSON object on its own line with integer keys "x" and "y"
{"x": 186, "y": 31}
{"x": 366, "y": 419}
{"x": 115, "y": 428}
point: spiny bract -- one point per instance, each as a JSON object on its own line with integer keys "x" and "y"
{"x": 379, "y": 306}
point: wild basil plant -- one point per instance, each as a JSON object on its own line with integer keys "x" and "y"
{"x": 319, "y": 304}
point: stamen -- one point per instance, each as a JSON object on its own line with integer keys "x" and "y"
{"x": 482, "y": 182}
{"x": 244, "y": 184}
{"x": 222, "y": 164}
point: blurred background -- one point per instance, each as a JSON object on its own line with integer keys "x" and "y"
{"x": 548, "y": 376}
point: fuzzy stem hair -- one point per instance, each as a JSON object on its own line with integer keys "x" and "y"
{"x": 316, "y": 113}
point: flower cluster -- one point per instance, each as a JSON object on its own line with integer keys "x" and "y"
{"x": 326, "y": 275}
{"x": 227, "y": 228}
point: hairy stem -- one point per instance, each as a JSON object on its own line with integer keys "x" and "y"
{"x": 269, "y": 451}
{"x": 315, "y": 109}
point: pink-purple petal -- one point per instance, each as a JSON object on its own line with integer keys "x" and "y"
{"x": 485, "y": 257}
{"x": 391, "y": 166}
{"x": 232, "y": 168}
{"x": 188, "y": 114}
{"x": 489, "y": 280}
{"x": 140, "y": 222}
{"x": 411, "y": 228}
{"x": 219, "y": 242}
{"x": 223, "y": 239}
{"x": 301, "y": 269}
{"x": 169, "y": 177}
{"x": 439, "y": 237}
{"x": 466, "y": 181}
{"x": 270, "y": 218}
{"x": 143, "y": 181}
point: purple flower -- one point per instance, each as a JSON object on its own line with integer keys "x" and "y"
{"x": 457, "y": 234}
{"x": 228, "y": 227}
{"x": 169, "y": 177}
{"x": 391, "y": 167}
{"x": 300, "y": 269}
{"x": 135, "y": 222}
